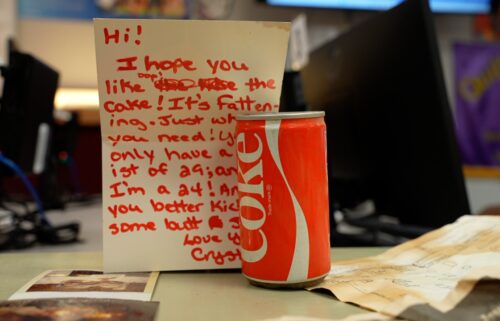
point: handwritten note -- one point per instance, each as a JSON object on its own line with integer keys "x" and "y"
{"x": 169, "y": 91}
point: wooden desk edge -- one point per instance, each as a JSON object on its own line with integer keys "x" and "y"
{"x": 481, "y": 171}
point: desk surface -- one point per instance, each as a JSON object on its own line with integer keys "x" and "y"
{"x": 205, "y": 295}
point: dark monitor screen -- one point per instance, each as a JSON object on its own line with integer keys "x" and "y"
{"x": 390, "y": 132}
{"x": 26, "y": 108}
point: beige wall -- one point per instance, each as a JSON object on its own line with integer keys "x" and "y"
{"x": 7, "y": 25}
{"x": 68, "y": 46}
{"x": 7, "y": 29}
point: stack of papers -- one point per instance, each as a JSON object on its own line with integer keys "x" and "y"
{"x": 451, "y": 273}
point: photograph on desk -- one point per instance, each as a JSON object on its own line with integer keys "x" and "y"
{"x": 89, "y": 284}
{"x": 77, "y": 310}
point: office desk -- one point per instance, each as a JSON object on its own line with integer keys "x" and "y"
{"x": 202, "y": 295}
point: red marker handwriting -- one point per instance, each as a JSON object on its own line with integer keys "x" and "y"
{"x": 188, "y": 103}
{"x": 131, "y": 227}
{"x": 174, "y": 138}
{"x": 215, "y": 222}
{"x": 133, "y": 154}
{"x": 235, "y": 222}
{"x": 124, "y": 171}
{"x": 167, "y": 99}
{"x": 188, "y": 190}
{"x": 124, "y": 209}
{"x": 173, "y": 65}
{"x": 197, "y": 239}
{"x": 123, "y": 188}
{"x": 127, "y": 64}
{"x": 122, "y": 35}
{"x": 234, "y": 237}
{"x": 112, "y": 106}
{"x": 134, "y": 122}
{"x": 202, "y": 84}
{"x": 189, "y": 224}
{"x": 122, "y": 86}
{"x": 242, "y": 103}
{"x": 175, "y": 207}
{"x": 223, "y": 206}
{"x": 187, "y": 155}
{"x": 225, "y": 65}
{"x": 225, "y": 153}
{"x": 222, "y": 120}
{"x": 162, "y": 190}
{"x": 161, "y": 169}
{"x": 227, "y": 190}
{"x": 127, "y": 139}
{"x": 218, "y": 257}
{"x": 255, "y": 83}
{"x": 169, "y": 119}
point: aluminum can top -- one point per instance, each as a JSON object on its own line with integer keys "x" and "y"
{"x": 282, "y": 115}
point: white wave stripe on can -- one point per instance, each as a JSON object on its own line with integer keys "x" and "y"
{"x": 256, "y": 255}
{"x": 250, "y": 201}
{"x": 300, "y": 262}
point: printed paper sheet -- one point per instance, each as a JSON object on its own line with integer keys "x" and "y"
{"x": 438, "y": 269}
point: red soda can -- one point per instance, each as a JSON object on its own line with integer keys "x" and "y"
{"x": 283, "y": 198}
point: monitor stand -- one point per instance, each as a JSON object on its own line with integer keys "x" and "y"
{"x": 362, "y": 226}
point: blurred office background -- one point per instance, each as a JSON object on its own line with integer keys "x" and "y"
{"x": 67, "y": 45}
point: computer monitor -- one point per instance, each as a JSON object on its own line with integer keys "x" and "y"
{"x": 390, "y": 131}
{"x": 26, "y": 109}
{"x": 441, "y": 6}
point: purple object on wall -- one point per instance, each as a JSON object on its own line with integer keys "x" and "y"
{"x": 477, "y": 98}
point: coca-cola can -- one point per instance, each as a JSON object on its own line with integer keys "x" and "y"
{"x": 283, "y": 198}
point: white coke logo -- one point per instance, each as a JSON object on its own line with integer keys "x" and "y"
{"x": 251, "y": 195}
